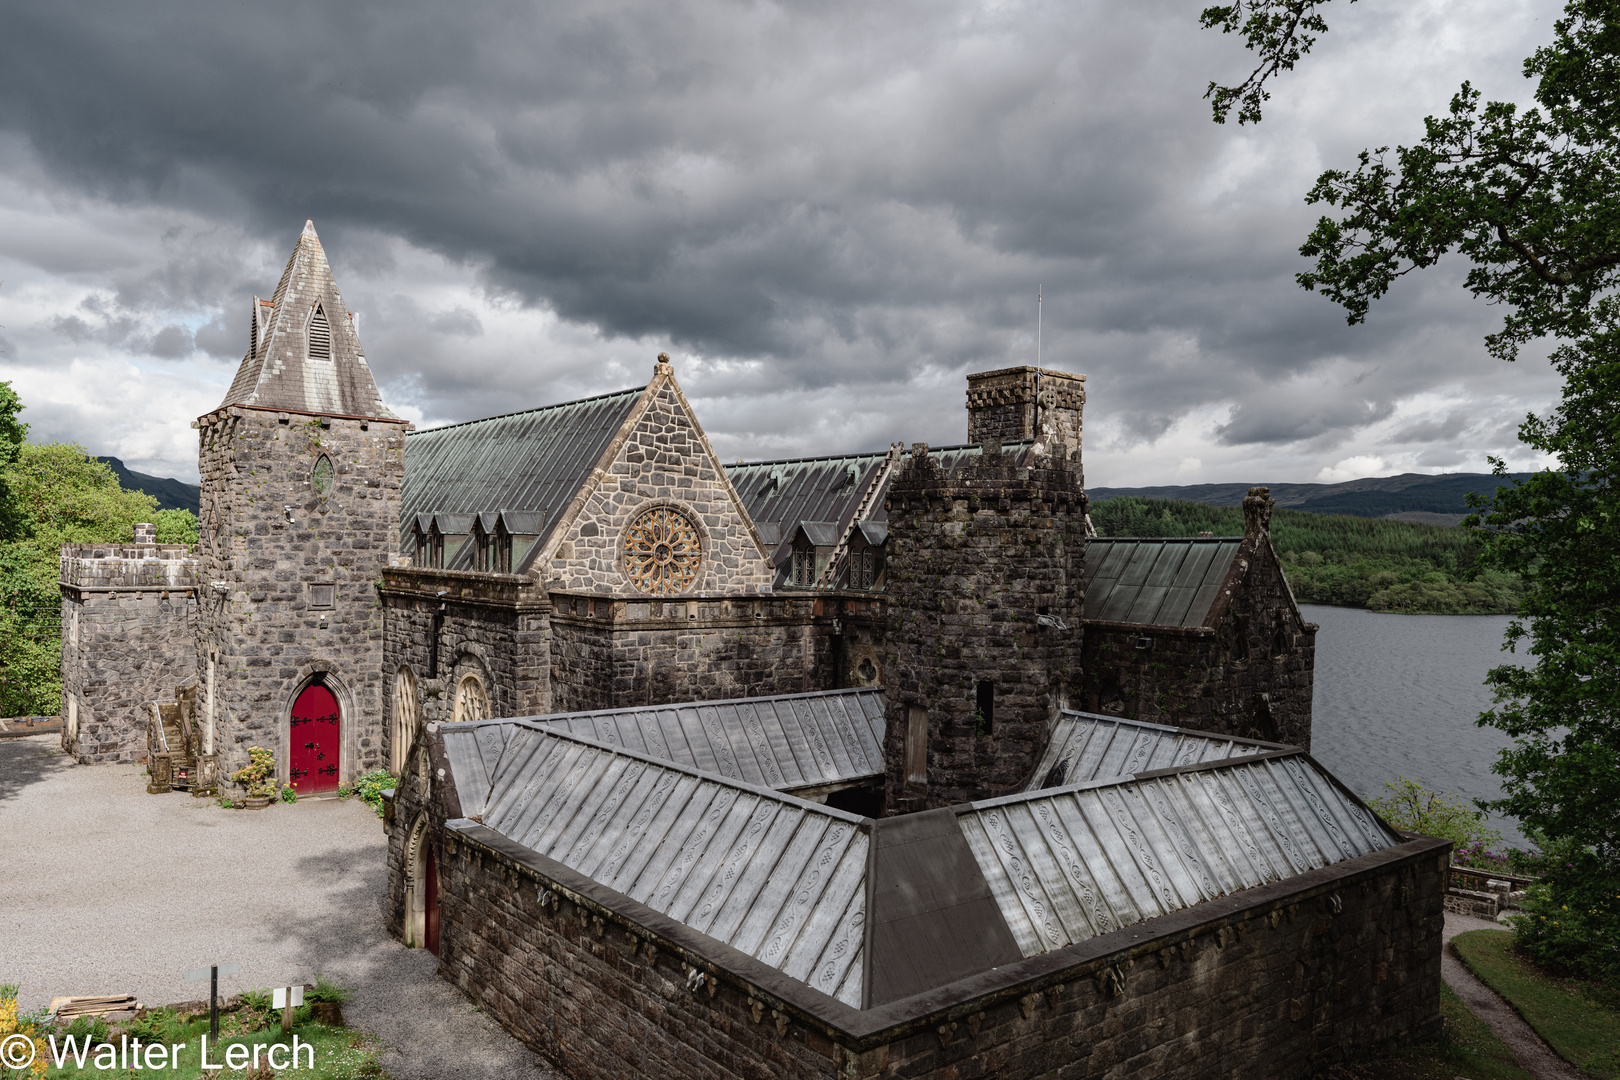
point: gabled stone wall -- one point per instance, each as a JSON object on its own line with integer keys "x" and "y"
{"x": 662, "y": 459}
{"x": 129, "y": 619}
{"x": 1248, "y": 671}
{"x": 984, "y": 586}
{"x": 267, "y": 537}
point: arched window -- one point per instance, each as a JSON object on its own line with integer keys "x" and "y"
{"x": 405, "y": 720}
{"x": 320, "y": 335}
{"x": 471, "y": 701}
{"x": 320, "y": 477}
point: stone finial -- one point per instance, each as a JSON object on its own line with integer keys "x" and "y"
{"x": 1257, "y": 507}
{"x": 145, "y": 533}
{"x": 309, "y": 226}
{"x": 663, "y": 367}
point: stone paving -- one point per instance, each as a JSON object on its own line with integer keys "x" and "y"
{"x": 106, "y": 889}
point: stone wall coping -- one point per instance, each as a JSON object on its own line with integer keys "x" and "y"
{"x": 1026, "y": 368}
{"x": 77, "y": 586}
{"x": 862, "y": 1030}
{"x": 215, "y": 415}
{"x": 463, "y": 587}
{"x": 1148, "y": 629}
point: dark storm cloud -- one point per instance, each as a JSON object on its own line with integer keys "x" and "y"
{"x": 855, "y": 194}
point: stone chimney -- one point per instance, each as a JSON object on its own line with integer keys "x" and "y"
{"x": 1024, "y": 404}
{"x": 145, "y": 533}
{"x": 1257, "y": 507}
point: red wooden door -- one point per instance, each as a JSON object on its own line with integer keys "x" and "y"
{"x": 313, "y": 762}
{"x": 430, "y": 929}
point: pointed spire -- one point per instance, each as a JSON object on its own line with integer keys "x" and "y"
{"x": 302, "y": 359}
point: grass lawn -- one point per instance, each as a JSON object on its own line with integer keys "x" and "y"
{"x": 1466, "y": 1049}
{"x": 1568, "y": 1013}
{"x": 336, "y": 1053}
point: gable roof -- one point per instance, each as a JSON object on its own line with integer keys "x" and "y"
{"x": 778, "y": 878}
{"x": 1156, "y": 582}
{"x": 819, "y": 894}
{"x": 531, "y": 461}
{"x": 1085, "y": 746}
{"x": 789, "y": 742}
{"x": 1074, "y": 862}
{"x": 280, "y": 370}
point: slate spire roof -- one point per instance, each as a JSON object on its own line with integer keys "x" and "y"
{"x": 303, "y": 352}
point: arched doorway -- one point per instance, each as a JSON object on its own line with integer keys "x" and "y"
{"x": 405, "y": 713}
{"x": 315, "y": 739}
{"x": 430, "y": 935}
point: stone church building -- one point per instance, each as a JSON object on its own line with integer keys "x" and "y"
{"x": 868, "y": 765}
{"x": 356, "y": 579}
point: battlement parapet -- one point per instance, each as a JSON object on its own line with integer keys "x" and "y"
{"x": 128, "y": 566}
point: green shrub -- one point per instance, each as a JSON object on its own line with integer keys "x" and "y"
{"x": 1571, "y": 917}
{"x": 1411, "y": 806}
{"x": 329, "y": 991}
{"x": 369, "y": 788}
{"x": 92, "y": 1028}
{"x": 288, "y": 795}
{"x": 154, "y": 1025}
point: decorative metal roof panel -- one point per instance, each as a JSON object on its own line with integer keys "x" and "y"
{"x": 788, "y": 742}
{"x": 1156, "y": 582}
{"x": 787, "y": 492}
{"x": 779, "y": 878}
{"x": 537, "y": 459}
{"x": 1085, "y": 746}
{"x": 1070, "y": 863}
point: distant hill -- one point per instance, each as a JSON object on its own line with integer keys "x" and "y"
{"x": 171, "y": 494}
{"x": 1439, "y": 499}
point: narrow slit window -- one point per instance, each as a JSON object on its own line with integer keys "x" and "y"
{"x": 984, "y": 708}
{"x": 320, "y": 479}
{"x": 320, "y": 335}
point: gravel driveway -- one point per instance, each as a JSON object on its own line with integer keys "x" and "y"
{"x": 106, "y": 889}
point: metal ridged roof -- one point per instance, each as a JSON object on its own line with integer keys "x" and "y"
{"x": 778, "y": 878}
{"x": 787, "y": 742}
{"x": 1072, "y": 863}
{"x": 1085, "y": 746}
{"x": 1157, "y": 582}
{"x": 533, "y": 461}
{"x": 787, "y": 492}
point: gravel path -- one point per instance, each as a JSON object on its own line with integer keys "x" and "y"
{"x": 106, "y": 889}
{"x": 1535, "y": 1056}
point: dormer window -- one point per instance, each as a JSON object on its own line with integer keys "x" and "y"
{"x": 320, "y": 335}
{"x": 804, "y": 566}
{"x": 431, "y": 548}
{"x": 862, "y": 569}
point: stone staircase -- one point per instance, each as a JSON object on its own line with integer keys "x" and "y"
{"x": 174, "y": 755}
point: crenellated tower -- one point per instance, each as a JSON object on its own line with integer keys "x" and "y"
{"x": 985, "y": 597}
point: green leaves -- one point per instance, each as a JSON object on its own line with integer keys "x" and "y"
{"x": 1279, "y": 31}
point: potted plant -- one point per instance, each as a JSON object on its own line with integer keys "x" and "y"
{"x": 258, "y": 777}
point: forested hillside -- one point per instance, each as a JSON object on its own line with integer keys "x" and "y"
{"x": 1338, "y": 559}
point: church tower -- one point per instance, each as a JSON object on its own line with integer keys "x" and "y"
{"x": 985, "y": 598}
{"x": 301, "y": 471}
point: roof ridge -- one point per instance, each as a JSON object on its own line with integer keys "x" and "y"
{"x": 862, "y": 454}
{"x": 536, "y": 409}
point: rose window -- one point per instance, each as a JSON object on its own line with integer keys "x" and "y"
{"x": 662, "y": 551}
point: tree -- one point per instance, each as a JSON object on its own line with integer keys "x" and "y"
{"x": 59, "y": 495}
{"x": 13, "y": 433}
{"x": 1531, "y": 199}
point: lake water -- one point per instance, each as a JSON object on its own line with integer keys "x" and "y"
{"x": 1397, "y": 695}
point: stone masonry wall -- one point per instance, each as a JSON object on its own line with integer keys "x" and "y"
{"x": 1250, "y": 675}
{"x": 1281, "y": 982}
{"x": 267, "y": 537}
{"x": 129, "y": 622}
{"x": 488, "y": 625}
{"x": 975, "y": 560}
{"x": 613, "y": 653}
{"x": 1016, "y": 404}
{"x": 663, "y": 460}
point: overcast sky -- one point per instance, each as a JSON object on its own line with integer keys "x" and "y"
{"x": 828, "y": 213}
